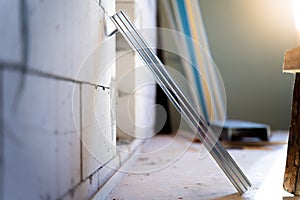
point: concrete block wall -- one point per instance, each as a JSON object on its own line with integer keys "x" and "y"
{"x": 135, "y": 85}
{"x": 57, "y": 127}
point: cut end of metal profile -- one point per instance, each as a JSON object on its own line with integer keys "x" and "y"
{"x": 182, "y": 103}
{"x": 110, "y": 28}
{"x": 112, "y": 33}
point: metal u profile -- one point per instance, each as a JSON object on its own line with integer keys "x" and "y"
{"x": 182, "y": 103}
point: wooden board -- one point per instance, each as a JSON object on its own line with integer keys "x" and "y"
{"x": 292, "y": 61}
{"x": 292, "y": 171}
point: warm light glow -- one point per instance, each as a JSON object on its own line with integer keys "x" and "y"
{"x": 296, "y": 9}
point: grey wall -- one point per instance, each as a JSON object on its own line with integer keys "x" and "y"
{"x": 57, "y": 135}
{"x": 247, "y": 41}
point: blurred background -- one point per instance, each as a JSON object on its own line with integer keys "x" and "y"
{"x": 247, "y": 41}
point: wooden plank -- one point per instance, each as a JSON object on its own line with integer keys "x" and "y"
{"x": 292, "y": 61}
{"x": 292, "y": 170}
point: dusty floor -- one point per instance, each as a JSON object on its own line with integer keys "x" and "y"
{"x": 174, "y": 168}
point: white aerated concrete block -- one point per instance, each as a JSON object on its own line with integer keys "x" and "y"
{"x": 125, "y": 76}
{"x": 98, "y": 134}
{"x": 135, "y": 84}
{"x": 147, "y": 8}
{"x": 67, "y": 39}
{"x": 99, "y": 66}
{"x": 144, "y": 81}
{"x": 129, "y": 8}
{"x": 107, "y": 171}
{"x": 10, "y": 31}
{"x": 126, "y": 88}
{"x": 41, "y": 143}
{"x": 94, "y": 182}
{"x": 145, "y": 116}
{"x": 85, "y": 190}
{"x": 126, "y": 116}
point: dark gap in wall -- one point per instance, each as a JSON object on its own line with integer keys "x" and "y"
{"x": 80, "y": 134}
{"x": 161, "y": 97}
{"x": 1, "y": 137}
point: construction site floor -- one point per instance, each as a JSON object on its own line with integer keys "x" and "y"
{"x": 173, "y": 167}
